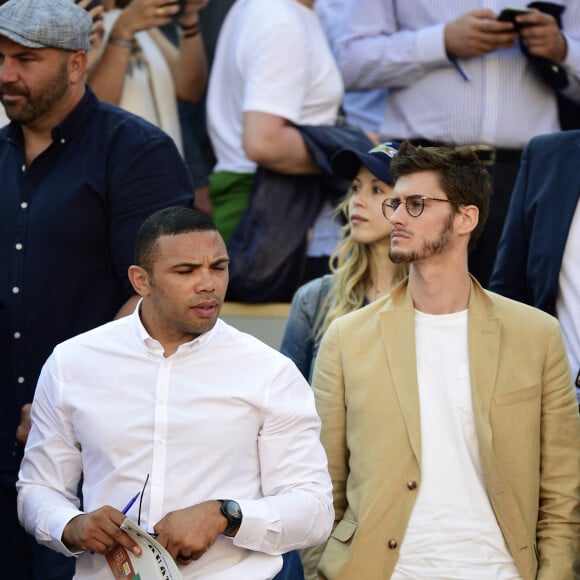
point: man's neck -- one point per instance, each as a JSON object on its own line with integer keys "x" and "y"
{"x": 307, "y": 3}
{"x": 438, "y": 290}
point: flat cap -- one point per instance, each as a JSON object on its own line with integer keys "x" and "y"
{"x": 46, "y": 24}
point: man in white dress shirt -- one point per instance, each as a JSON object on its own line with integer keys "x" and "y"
{"x": 174, "y": 395}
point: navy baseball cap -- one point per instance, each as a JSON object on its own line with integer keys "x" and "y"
{"x": 346, "y": 162}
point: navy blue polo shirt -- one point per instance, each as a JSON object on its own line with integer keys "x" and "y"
{"x": 67, "y": 230}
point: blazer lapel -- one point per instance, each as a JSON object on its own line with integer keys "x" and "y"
{"x": 484, "y": 349}
{"x": 398, "y": 332}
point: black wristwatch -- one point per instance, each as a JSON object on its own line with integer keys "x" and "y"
{"x": 233, "y": 513}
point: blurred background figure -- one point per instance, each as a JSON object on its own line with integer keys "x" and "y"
{"x": 361, "y": 269}
{"x": 141, "y": 70}
{"x": 456, "y": 75}
{"x": 273, "y": 69}
{"x": 537, "y": 258}
{"x": 366, "y": 108}
{"x": 197, "y": 146}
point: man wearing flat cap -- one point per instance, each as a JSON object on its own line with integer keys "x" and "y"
{"x": 78, "y": 179}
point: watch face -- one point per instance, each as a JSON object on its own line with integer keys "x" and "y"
{"x": 232, "y": 510}
{"x": 233, "y": 513}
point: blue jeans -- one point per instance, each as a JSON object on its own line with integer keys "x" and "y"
{"x": 292, "y": 568}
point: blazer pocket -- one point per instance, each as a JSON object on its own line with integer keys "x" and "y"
{"x": 344, "y": 530}
{"x": 518, "y": 396}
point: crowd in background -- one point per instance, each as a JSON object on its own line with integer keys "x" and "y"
{"x": 288, "y": 114}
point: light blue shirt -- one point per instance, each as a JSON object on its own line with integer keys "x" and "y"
{"x": 399, "y": 45}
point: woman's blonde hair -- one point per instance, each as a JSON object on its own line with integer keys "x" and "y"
{"x": 349, "y": 265}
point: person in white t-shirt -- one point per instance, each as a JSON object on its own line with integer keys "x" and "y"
{"x": 272, "y": 68}
{"x": 448, "y": 412}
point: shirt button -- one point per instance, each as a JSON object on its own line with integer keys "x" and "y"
{"x": 19, "y": 246}
{"x": 63, "y": 141}
{"x": 392, "y": 544}
{"x": 17, "y": 334}
{"x": 23, "y": 168}
{"x": 15, "y": 290}
{"x": 411, "y": 485}
{"x": 24, "y": 205}
{"x": 20, "y": 380}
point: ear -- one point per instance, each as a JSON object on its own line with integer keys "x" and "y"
{"x": 139, "y": 278}
{"x": 77, "y": 67}
{"x": 467, "y": 219}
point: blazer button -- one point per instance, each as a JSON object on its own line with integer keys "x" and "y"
{"x": 411, "y": 485}
{"x": 392, "y": 544}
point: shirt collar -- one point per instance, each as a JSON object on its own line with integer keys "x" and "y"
{"x": 73, "y": 122}
{"x": 153, "y": 346}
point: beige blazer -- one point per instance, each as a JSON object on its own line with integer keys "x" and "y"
{"x": 527, "y": 424}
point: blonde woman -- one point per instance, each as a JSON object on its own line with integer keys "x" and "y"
{"x": 361, "y": 269}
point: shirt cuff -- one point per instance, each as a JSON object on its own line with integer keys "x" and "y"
{"x": 431, "y": 45}
{"x": 58, "y": 526}
{"x": 572, "y": 60}
{"x": 257, "y": 519}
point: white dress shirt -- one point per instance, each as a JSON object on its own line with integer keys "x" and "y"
{"x": 225, "y": 416}
{"x": 399, "y": 45}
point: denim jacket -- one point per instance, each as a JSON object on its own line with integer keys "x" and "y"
{"x": 299, "y": 342}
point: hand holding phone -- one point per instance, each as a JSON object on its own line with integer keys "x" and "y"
{"x": 510, "y": 13}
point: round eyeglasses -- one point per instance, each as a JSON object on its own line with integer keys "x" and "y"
{"x": 414, "y": 204}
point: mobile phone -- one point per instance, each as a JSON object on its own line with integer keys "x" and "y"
{"x": 509, "y": 14}
{"x": 91, "y": 4}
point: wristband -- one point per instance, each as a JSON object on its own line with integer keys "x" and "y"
{"x": 120, "y": 42}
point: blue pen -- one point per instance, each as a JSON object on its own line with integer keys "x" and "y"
{"x": 126, "y": 509}
{"x": 131, "y": 502}
{"x": 458, "y": 68}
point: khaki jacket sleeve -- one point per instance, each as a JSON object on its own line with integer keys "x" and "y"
{"x": 328, "y": 386}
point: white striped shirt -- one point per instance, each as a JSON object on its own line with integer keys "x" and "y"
{"x": 399, "y": 44}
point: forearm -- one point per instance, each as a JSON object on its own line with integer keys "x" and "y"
{"x": 108, "y": 75}
{"x": 558, "y": 527}
{"x": 192, "y": 72}
{"x": 283, "y": 151}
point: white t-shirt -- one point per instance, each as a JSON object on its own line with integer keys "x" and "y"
{"x": 272, "y": 56}
{"x": 452, "y": 532}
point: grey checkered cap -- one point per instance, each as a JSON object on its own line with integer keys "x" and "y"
{"x": 46, "y": 24}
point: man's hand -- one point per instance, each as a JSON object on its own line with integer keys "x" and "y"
{"x": 98, "y": 531}
{"x": 189, "y": 533}
{"x": 541, "y": 36}
{"x": 23, "y": 429}
{"x": 477, "y": 33}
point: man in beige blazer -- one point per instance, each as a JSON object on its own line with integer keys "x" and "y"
{"x": 448, "y": 412}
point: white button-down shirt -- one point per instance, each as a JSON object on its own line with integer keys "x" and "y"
{"x": 224, "y": 417}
